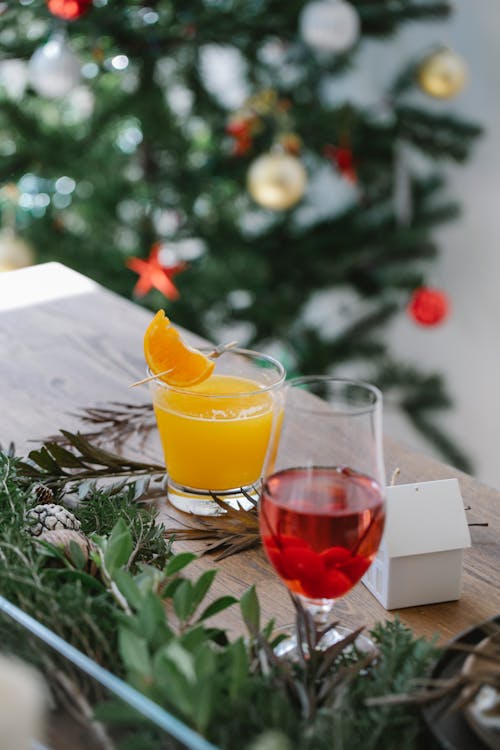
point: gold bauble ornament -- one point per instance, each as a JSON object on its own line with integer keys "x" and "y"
{"x": 442, "y": 74}
{"x": 277, "y": 180}
{"x": 14, "y": 251}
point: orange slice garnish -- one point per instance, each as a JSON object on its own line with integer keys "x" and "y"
{"x": 165, "y": 350}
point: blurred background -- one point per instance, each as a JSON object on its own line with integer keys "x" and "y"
{"x": 315, "y": 179}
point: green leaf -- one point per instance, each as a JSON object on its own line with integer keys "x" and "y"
{"x": 51, "y": 550}
{"x": 173, "y": 685}
{"x": 76, "y": 555}
{"x": 204, "y": 700}
{"x": 182, "y": 659}
{"x": 250, "y": 610}
{"x": 151, "y": 616}
{"x": 171, "y": 588}
{"x": 201, "y": 586}
{"x": 43, "y": 459}
{"x": 217, "y": 606}
{"x": 204, "y": 704}
{"x": 179, "y": 561}
{"x": 117, "y": 712}
{"x": 134, "y": 652}
{"x": 183, "y": 598}
{"x": 68, "y": 575}
{"x": 64, "y": 457}
{"x": 194, "y": 638}
{"x": 119, "y": 546}
{"x": 128, "y": 587}
{"x": 239, "y": 667}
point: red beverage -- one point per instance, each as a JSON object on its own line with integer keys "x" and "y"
{"x": 321, "y": 528}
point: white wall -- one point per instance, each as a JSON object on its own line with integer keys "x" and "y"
{"x": 466, "y": 348}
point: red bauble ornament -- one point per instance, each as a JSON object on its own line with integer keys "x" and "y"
{"x": 343, "y": 158}
{"x": 238, "y": 128}
{"x": 428, "y": 307}
{"x": 153, "y": 274}
{"x": 70, "y": 10}
{"x": 241, "y": 129}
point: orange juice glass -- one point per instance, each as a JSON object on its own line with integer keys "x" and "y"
{"x": 217, "y": 434}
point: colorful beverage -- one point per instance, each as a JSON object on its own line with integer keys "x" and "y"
{"x": 321, "y": 528}
{"x": 216, "y": 435}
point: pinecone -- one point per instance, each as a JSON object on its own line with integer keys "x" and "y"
{"x": 63, "y": 538}
{"x": 43, "y": 494}
{"x": 49, "y": 517}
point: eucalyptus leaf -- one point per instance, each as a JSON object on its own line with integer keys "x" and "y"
{"x": 151, "y": 616}
{"x": 178, "y": 562}
{"x": 134, "y": 652}
{"x": 128, "y": 587}
{"x": 171, "y": 587}
{"x": 239, "y": 666}
{"x": 182, "y": 659}
{"x": 173, "y": 685}
{"x": 250, "y": 610}
{"x": 183, "y": 600}
{"x": 76, "y": 555}
{"x": 118, "y": 712}
{"x": 119, "y": 547}
{"x": 68, "y": 575}
{"x": 202, "y": 586}
{"x": 217, "y": 606}
{"x": 195, "y": 637}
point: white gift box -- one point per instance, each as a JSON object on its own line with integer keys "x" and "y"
{"x": 420, "y": 558}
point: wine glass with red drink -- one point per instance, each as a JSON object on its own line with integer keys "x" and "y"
{"x": 322, "y": 510}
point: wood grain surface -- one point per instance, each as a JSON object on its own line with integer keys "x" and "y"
{"x": 85, "y": 349}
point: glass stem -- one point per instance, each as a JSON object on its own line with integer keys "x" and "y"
{"x": 320, "y": 613}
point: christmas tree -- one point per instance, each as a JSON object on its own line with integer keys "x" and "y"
{"x": 201, "y": 145}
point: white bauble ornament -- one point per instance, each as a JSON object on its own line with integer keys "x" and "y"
{"x": 54, "y": 69}
{"x": 277, "y": 180}
{"x": 13, "y": 78}
{"x": 14, "y": 251}
{"x": 329, "y": 25}
{"x": 442, "y": 74}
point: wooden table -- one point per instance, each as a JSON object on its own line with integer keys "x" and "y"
{"x": 66, "y": 343}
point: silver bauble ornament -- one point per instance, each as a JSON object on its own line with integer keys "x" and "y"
{"x": 277, "y": 180}
{"x": 442, "y": 74}
{"x": 329, "y": 25}
{"x": 54, "y": 69}
{"x": 14, "y": 78}
{"x": 14, "y": 251}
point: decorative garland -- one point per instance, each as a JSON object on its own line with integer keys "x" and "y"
{"x": 125, "y": 599}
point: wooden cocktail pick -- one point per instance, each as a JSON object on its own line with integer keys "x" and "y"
{"x": 213, "y": 355}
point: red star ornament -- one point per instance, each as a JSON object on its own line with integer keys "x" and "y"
{"x": 342, "y": 157}
{"x": 427, "y": 306}
{"x": 70, "y": 10}
{"x": 153, "y": 274}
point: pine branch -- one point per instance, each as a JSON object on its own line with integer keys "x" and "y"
{"x": 114, "y": 424}
{"x": 63, "y": 468}
{"x": 438, "y": 135}
{"x": 232, "y": 532}
{"x": 383, "y": 17}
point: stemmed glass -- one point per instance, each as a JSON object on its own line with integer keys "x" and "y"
{"x": 322, "y": 510}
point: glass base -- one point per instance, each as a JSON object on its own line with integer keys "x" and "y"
{"x": 202, "y": 503}
{"x": 288, "y": 648}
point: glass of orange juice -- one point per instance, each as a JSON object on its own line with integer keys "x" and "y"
{"x": 216, "y": 435}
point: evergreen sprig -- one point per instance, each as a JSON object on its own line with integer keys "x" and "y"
{"x": 78, "y": 468}
{"x": 114, "y": 424}
{"x": 143, "y": 617}
{"x": 234, "y": 530}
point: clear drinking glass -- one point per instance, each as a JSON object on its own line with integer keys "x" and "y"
{"x": 216, "y": 435}
{"x": 322, "y": 509}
